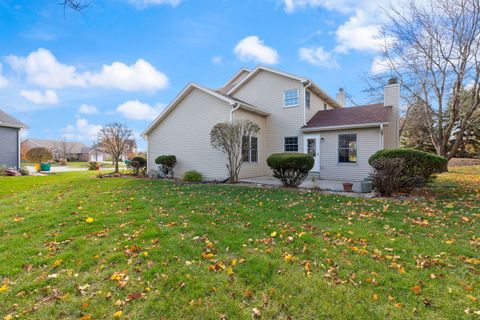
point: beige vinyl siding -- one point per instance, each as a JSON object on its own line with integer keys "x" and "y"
{"x": 392, "y": 98}
{"x": 185, "y": 133}
{"x": 254, "y": 169}
{"x": 368, "y": 142}
{"x": 316, "y": 104}
{"x": 265, "y": 91}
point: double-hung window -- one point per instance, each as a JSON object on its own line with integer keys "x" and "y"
{"x": 347, "y": 148}
{"x": 291, "y": 144}
{"x": 290, "y": 98}
{"x": 249, "y": 149}
{"x": 307, "y": 99}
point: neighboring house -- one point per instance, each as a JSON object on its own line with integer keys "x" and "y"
{"x": 294, "y": 115}
{"x": 10, "y": 140}
{"x": 72, "y": 151}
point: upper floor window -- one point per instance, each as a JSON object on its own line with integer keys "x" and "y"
{"x": 324, "y": 106}
{"x": 249, "y": 149}
{"x": 290, "y": 98}
{"x": 291, "y": 144}
{"x": 307, "y": 99}
{"x": 347, "y": 148}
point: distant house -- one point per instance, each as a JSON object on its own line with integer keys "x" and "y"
{"x": 10, "y": 140}
{"x": 71, "y": 151}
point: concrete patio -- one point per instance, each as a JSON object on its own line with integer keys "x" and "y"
{"x": 309, "y": 183}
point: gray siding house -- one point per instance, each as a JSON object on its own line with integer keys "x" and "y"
{"x": 10, "y": 140}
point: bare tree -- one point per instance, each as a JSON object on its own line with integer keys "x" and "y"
{"x": 115, "y": 138}
{"x": 228, "y": 137}
{"x": 433, "y": 46}
{"x": 77, "y": 5}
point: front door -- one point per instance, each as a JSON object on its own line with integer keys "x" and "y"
{"x": 312, "y": 146}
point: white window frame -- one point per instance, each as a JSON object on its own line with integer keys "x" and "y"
{"x": 285, "y": 144}
{"x": 338, "y": 149}
{"x": 250, "y": 149}
{"x": 284, "y": 98}
{"x": 309, "y": 95}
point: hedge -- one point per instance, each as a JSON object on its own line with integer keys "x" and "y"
{"x": 418, "y": 166}
{"x": 291, "y": 168}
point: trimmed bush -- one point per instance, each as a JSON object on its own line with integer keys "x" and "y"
{"x": 290, "y": 168}
{"x": 93, "y": 165}
{"x": 192, "y": 176}
{"x": 167, "y": 163}
{"x": 418, "y": 166}
{"x": 387, "y": 175}
{"x": 138, "y": 165}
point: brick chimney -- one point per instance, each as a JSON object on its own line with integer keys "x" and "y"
{"x": 341, "y": 98}
{"x": 391, "y": 94}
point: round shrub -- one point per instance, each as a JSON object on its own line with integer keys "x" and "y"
{"x": 192, "y": 176}
{"x": 167, "y": 163}
{"x": 418, "y": 166}
{"x": 138, "y": 165}
{"x": 291, "y": 168}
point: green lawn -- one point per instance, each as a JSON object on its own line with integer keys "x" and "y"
{"x": 76, "y": 247}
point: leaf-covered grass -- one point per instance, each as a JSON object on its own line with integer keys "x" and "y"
{"x": 74, "y": 246}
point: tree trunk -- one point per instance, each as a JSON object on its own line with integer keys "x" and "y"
{"x": 116, "y": 165}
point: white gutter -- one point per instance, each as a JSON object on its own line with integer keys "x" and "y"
{"x": 305, "y": 100}
{"x": 235, "y": 106}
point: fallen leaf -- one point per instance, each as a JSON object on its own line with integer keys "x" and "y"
{"x": 416, "y": 289}
{"x": 118, "y": 314}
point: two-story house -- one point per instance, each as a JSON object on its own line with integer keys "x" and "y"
{"x": 294, "y": 115}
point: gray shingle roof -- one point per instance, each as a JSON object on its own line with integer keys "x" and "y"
{"x": 7, "y": 120}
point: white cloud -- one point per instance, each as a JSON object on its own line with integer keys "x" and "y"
{"x": 380, "y": 65}
{"x": 37, "y": 97}
{"x": 141, "y": 76}
{"x": 146, "y": 3}
{"x": 252, "y": 48}
{"x": 88, "y": 109}
{"x": 291, "y": 6}
{"x": 42, "y": 68}
{"x": 82, "y": 130}
{"x": 217, "y": 60}
{"x": 317, "y": 56}
{"x": 3, "y": 80}
{"x": 136, "y": 110}
{"x": 360, "y": 32}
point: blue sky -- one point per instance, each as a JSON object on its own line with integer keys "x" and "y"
{"x": 66, "y": 73}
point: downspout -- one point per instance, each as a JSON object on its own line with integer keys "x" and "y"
{"x": 19, "y": 149}
{"x": 382, "y": 137}
{"x": 235, "y": 106}
{"x": 305, "y": 87}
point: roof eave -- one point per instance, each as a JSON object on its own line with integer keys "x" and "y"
{"x": 11, "y": 125}
{"x": 343, "y": 127}
{"x": 178, "y": 99}
{"x": 253, "y": 109}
